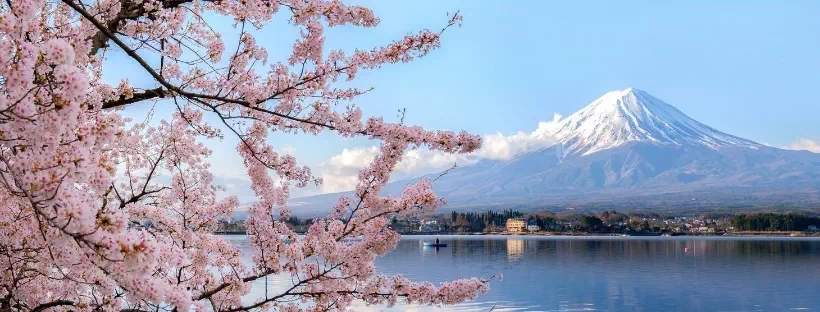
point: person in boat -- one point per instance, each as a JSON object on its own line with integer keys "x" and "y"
{"x": 436, "y": 241}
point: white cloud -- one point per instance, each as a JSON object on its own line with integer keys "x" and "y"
{"x": 333, "y": 183}
{"x": 422, "y": 161}
{"x": 805, "y": 145}
{"x": 354, "y": 158}
{"x": 546, "y": 127}
{"x": 340, "y": 171}
{"x": 499, "y": 146}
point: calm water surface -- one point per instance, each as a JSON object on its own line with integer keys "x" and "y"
{"x": 614, "y": 273}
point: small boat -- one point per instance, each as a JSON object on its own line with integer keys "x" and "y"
{"x": 426, "y": 244}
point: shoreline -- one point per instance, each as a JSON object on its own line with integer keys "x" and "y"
{"x": 580, "y": 234}
{"x": 734, "y": 234}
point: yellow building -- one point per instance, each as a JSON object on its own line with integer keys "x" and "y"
{"x": 516, "y": 225}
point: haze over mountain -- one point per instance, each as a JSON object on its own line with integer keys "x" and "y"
{"x": 629, "y": 149}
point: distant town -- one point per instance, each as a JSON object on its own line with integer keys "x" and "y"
{"x": 601, "y": 223}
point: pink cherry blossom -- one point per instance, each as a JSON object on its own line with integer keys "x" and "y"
{"x": 99, "y": 212}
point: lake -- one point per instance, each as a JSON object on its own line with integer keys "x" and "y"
{"x": 543, "y": 273}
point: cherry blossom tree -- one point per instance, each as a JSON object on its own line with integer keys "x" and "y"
{"x": 90, "y": 221}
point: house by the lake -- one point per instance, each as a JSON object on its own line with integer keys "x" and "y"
{"x": 516, "y": 225}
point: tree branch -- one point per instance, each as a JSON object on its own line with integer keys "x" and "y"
{"x": 52, "y": 304}
{"x": 175, "y": 89}
{"x": 219, "y": 288}
{"x": 158, "y": 92}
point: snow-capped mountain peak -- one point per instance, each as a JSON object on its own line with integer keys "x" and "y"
{"x": 622, "y": 116}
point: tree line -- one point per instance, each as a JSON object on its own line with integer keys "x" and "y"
{"x": 774, "y": 222}
{"x": 480, "y": 221}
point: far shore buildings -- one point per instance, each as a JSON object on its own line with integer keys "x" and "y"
{"x": 532, "y": 226}
{"x": 429, "y": 226}
{"x": 516, "y": 225}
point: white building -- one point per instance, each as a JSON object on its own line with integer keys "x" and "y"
{"x": 532, "y": 226}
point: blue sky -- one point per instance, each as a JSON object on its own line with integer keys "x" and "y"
{"x": 748, "y": 68}
{"x": 751, "y": 70}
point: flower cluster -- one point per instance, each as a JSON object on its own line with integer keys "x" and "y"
{"x": 99, "y": 212}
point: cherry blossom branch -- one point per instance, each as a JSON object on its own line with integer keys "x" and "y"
{"x": 131, "y": 53}
{"x": 63, "y": 143}
{"x": 137, "y": 97}
{"x": 52, "y": 304}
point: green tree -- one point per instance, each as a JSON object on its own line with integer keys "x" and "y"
{"x": 590, "y": 223}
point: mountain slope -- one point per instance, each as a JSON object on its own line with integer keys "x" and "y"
{"x": 630, "y": 115}
{"x": 630, "y": 149}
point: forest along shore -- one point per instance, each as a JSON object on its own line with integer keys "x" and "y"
{"x": 607, "y": 223}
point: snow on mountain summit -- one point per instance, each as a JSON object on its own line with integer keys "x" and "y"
{"x": 629, "y": 115}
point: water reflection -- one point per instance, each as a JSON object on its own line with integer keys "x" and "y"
{"x": 515, "y": 248}
{"x": 618, "y": 273}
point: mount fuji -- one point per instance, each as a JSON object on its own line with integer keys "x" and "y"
{"x": 631, "y": 115}
{"x": 628, "y": 149}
